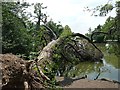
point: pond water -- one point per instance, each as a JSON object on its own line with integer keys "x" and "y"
{"x": 109, "y": 69}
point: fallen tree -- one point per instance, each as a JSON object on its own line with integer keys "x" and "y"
{"x": 69, "y": 50}
{"x": 61, "y": 54}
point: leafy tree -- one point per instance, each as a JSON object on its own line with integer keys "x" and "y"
{"x": 67, "y": 31}
{"x": 118, "y": 20}
{"x": 14, "y": 34}
{"x": 41, "y": 17}
{"x": 57, "y": 28}
{"x": 111, "y": 26}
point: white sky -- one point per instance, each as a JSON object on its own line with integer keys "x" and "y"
{"x": 70, "y": 12}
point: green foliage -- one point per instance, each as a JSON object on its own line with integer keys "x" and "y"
{"x": 19, "y": 34}
{"x": 59, "y": 59}
{"x": 67, "y": 31}
{"x": 49, "y": 71}
{"x": 14, "y": 34}
{"x": 108, "y": 24}
{"x": 105, "y": 9}
{"x": 112, "y": 24}
{"x": 99, "y": 38}
{"x": 114, "y": 49}
{"x": 39, "y": 15}
{"x": 57, "y": 28}
{"x": 64, "y": 60}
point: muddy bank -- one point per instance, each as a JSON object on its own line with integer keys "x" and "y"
{"x": 85, "y": 83}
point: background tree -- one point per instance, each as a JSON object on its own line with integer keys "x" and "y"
{"x": 14, "y": 33}
{"x": 67, "y": 31}
{"x": 56, "y": 27}
{"x": 111, "y": 26}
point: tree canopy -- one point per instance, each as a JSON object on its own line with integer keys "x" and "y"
{"x": 111, "y": 29}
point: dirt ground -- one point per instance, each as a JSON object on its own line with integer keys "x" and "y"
{"x": 85, "y": 83}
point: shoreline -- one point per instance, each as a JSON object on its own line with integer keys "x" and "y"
{"x": 86, "y": 83}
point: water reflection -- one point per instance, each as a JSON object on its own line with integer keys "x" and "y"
{"x": 108, "y": 69}
{"x": 84, "y": 68}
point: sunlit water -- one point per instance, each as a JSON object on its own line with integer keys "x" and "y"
{"x": 109, "y": 69}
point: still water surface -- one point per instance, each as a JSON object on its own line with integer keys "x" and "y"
{"x": 109, "y": 69}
